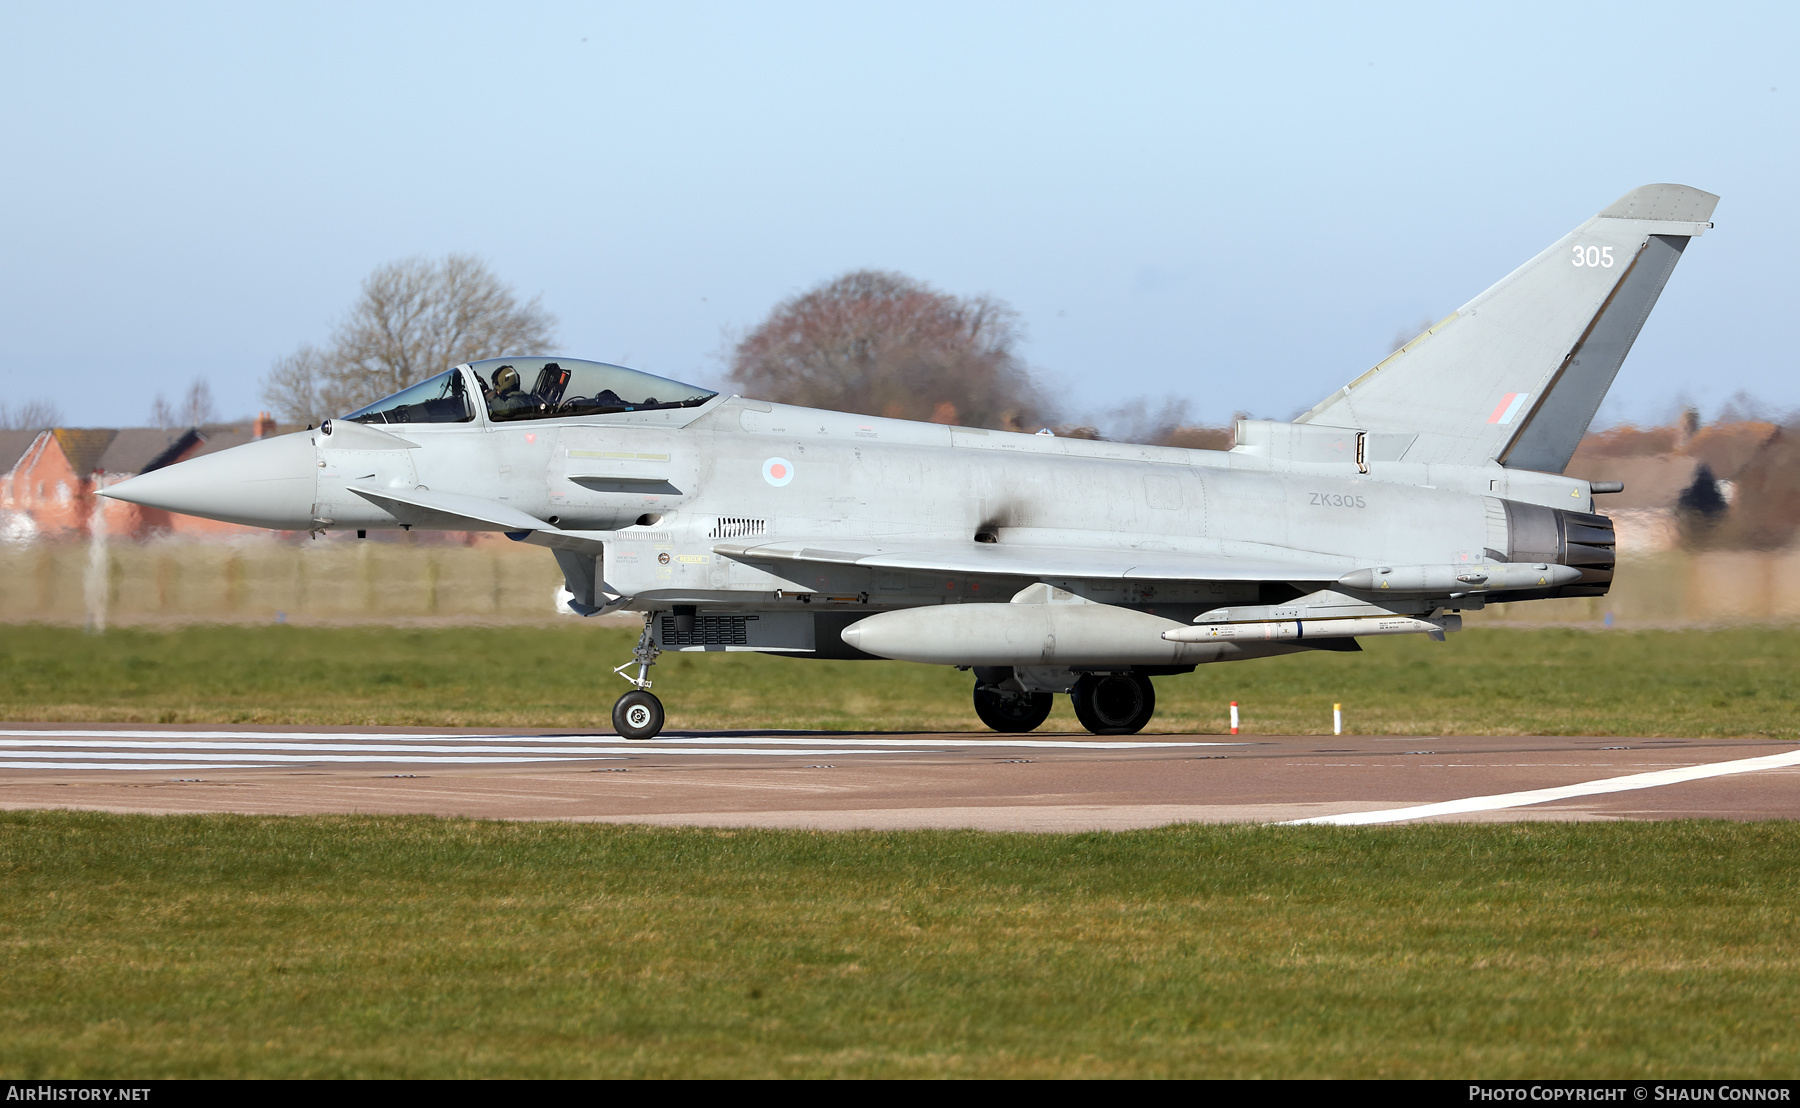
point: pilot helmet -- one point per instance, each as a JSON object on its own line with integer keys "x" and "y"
{"x": 506, "y": 378}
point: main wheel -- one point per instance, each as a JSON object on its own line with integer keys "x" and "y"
{"x": 1012, "y": 713}
{"x": 1114, "y": 703}
{"x": 638, "y": 715}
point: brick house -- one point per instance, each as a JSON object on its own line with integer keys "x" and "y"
{"x": 47, "y": 491}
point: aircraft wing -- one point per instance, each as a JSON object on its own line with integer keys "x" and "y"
{"x": 1000, "y": 559}
{"x": 456, "y": 511}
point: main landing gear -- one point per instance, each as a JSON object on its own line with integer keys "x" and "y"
{"x": 1105, "y": 703}
{"x": 638, "y": 714}
{"x": 1113, "y": 703}
{"x": 1012, "y": 713}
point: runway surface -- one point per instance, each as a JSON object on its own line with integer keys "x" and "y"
{"x": 837, "y": 780}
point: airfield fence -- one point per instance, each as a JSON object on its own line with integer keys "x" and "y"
{"x": 492, "y": 580}
{"x": 1674, "y": 589}
{"x": 259, "y": 580}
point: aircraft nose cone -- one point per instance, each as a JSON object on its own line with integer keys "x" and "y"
{"x": 267, "y": 483}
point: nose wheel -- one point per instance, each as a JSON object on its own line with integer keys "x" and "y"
{"x": 638, "y": 715}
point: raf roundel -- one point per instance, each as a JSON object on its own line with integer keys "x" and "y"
{"x": 778, "y": 471}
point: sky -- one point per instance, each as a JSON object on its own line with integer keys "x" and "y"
{"x": 1235, "y": 207}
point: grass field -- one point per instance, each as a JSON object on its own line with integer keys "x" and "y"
{"x": 344, "y": 946}
{"x": 1693, "y": 683}
{"x": 223, "y": 945}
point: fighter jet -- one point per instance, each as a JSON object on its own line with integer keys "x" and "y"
{"x": 1431, "y": 485}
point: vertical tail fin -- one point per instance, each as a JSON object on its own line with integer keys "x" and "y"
{"x": 1516, "y": 374}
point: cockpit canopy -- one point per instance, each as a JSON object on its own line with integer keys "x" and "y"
{"x": 437, "y": 399}
{"x": 540, "y": 388}
{"x": 532, "y": 388}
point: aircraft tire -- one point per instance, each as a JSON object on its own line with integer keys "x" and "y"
{"x": 1012, "y": 713}
{"x": 638, "y": 715}
{"x": 1113, "y": 703}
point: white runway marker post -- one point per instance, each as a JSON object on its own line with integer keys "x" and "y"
{"x": 1234, "y": 717}
{"x": 1337, "y": 719}
{"x": 94, "y": 582}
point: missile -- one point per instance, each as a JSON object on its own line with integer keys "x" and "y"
{"x": 1300, "y": 629}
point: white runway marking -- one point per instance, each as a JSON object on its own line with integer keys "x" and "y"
{"x": 763, "y": 739}
{"x": 145, "y": 744}
{"x": 972, "y": 740}
{"x": 1562, "y": 792}
{"x": 114, "y": 765}
{"x": 138, "y": 749}
{"x": 157, "y": 760}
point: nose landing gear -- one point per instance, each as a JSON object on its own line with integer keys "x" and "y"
{"x": 639, "y": 714}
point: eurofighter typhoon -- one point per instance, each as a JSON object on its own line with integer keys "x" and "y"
{"x": 1429, "y": 486}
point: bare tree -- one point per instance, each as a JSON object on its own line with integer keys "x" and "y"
{"x": 1765, "y": 510}
{"x": 1144, "y": 420}
{"x": 1200, "y": 438}
{"x": 882, "y": 343}
{"x": 196, "y": 409}
{"x": 29, "y": 415}
{"x": 415, "y": 318}
{"x": 294, "y": 388}
{"x": 1742, "y": 407}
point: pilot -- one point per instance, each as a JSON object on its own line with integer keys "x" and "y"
{"x": 508, "y": 398}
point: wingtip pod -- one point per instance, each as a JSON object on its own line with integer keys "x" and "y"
{"x": 1668, "y": 203}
